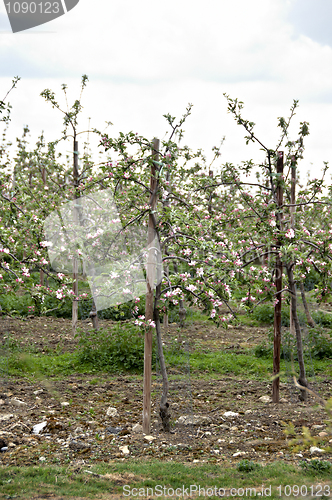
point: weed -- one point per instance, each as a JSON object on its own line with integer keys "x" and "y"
{"x": 323, "y": 319}
{"x": 16, "y": 305}
{"x": 265, "y": 314}
{"x": 316, "y": 465}
{"x": 119, "y": 349}
{"x": 316, "y": 345}
{"x": 320, "y": 346}
{"x": 94, "y": 381}
{"x": 247, "y": 466}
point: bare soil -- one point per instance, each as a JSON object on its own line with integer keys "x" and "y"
{"x": 79, "y": 431}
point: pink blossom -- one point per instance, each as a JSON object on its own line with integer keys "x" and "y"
{"x": 200, "y": 271}
{"x": 290, "y": 233}
{"x": 25, "y": 272}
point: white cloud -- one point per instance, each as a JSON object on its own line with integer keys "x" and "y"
{"x": 312, "y": 19}
{"x": 145, "y": 59}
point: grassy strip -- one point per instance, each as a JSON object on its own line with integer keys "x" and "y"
{"x": 218, "y": 362}
{"x": 278, "y": 480}
{"x": 238, "y": 364}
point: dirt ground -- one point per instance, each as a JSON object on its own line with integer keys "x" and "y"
{"x": 81, "y": 428}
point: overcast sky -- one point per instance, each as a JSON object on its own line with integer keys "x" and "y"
{"x": 148, "y": 58}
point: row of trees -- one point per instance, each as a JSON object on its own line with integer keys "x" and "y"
{"x": 212, "y": 222}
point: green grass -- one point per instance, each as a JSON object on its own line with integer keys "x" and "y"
{"x": 100, "y": 481}
{"x": 264, "y": 315}
{"x": 317, "y": 344}
{"x": 196, "y": 315}
{"x": 109, "y": 478}
{"x": 249, "y": 320}
{"x": 126, "y": 354}
{"x": 221, "y": 362}
{"x": 240, "y": 364}
{"x": 43, "y": 365}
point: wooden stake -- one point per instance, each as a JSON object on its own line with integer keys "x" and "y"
{"x": 278, "y": 283}
{"x": 150, "y": 277}
{"x": 294, "y": 320}
{"x": 166, "y": 267}
{"x": 210, "y": 192}
{"x": 75, "y": 220}
{"x": 292, "y": 212}
{"x": 94, "y": 316}
{"x": 41, "y": 273}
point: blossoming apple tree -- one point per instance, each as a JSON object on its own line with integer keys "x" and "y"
{"x": 35, "y": 183}
{"x": 211, "y": 229}
{"x": 218, "y": 239}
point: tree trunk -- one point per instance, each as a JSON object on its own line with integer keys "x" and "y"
{"x": 210, "y": 193}
{"x": 277, "y": 331}
{"x": 165, "y": 322}
{"x": 302, "y": 379}
{"x": 149, "y": 300}
{"x": 94, "y": 316}
{"x": 93, "y": 313}
{"x": 182, "y": 310}
{"x": 75, "y": 219}
{"x": 166, "y": 204}
{"x": 182, "y": 313}
{"x": 166, "y": 316}
{"x": 75, "y": 299}
{"x": 310, "y": 321}
{"x": 292, "y": 214}
{"x": 41, "y": 272}
{"x": 164, "y": 405}
{"x": 278, "y": 284}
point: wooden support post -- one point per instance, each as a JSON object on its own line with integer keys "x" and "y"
{"x": 278, "y": 283}
{"x": 166, "y": 266}
{"x": 41, "y": 272}
{"x": 292, "y": 215}
{"x": 75, "y": 221}
{"x": 266, "y": 258}
{"x": 149, "y": 304}
{"x": 166, "y": 317}
{"x": 210, "y": 192}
